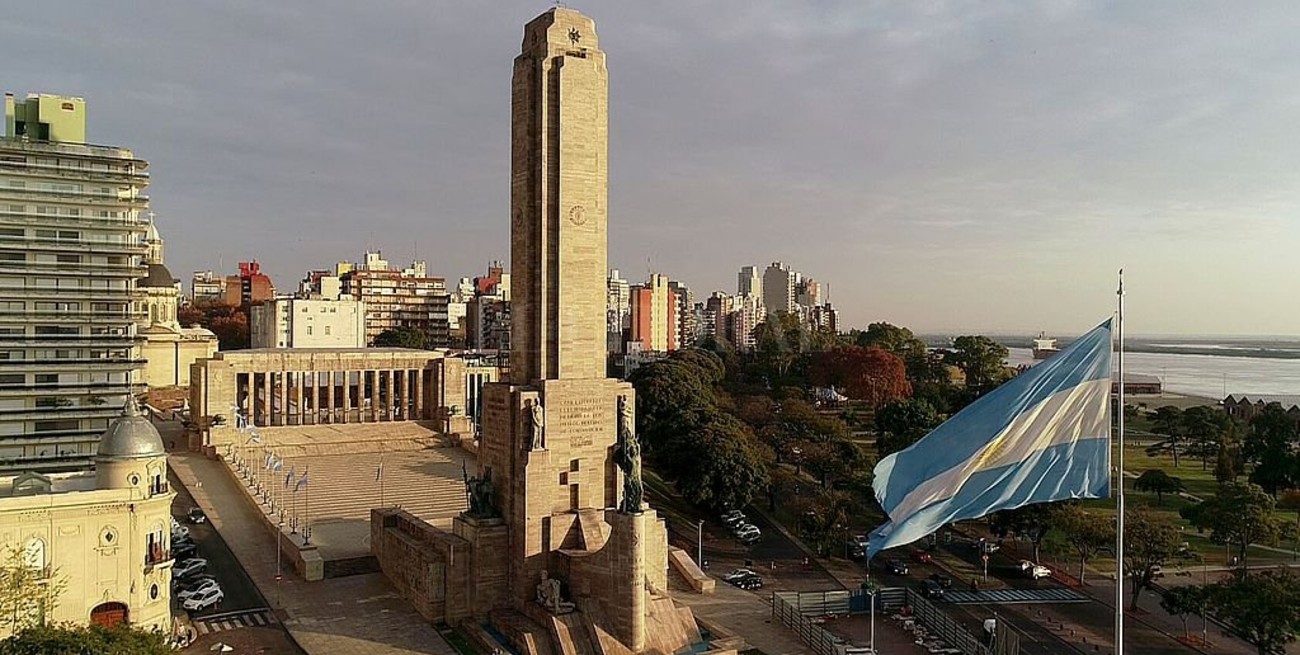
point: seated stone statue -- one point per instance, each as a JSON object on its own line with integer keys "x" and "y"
{"x": 548, "y": 596}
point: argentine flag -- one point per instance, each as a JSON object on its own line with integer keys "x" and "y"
{"x": 1042, "y": 436}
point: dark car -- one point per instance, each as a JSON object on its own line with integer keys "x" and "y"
{"x": 749, "y": 582}
{"x": 897, "y": 567}
{"x": 941, "y": 580}
{"x": 196, "y": 515}
{"x": 184, "y": 550}
{"x": 931, "y": 589}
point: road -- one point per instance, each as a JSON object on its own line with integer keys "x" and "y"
{"x": 240, "y": 592}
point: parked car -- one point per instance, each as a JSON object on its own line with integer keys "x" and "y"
{"x": 941, "y": 580}
{"x": 751, "y": 538}
{"x": 184, "y": 549}
{"x": 197, "y": 590}
{"x": 986, "y": 547}
{"x": 732, "y": 516}
{"x": 748, "y": 527}
{"x": 742, "y": 527}
{"x": 1033, "y": 570}
{"x": 897, "y": 567}
{"x": 191, "y": 582}
{"x": 854, "y": 550}
{"x": 180, "y": 532}
{"x": 931, "y": 589}
{"x": 737, "y": 574}
{"x": 861, "y": 540}
{"x": 749, "y": 582}
{"x": 189, "y": 567}
{"x": 196, "y": 515}
{"x": 204, "y": 600}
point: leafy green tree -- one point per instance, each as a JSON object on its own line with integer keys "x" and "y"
{"x": 832, "y": 460}
{"x": 1205, "y": 428}
{"x": 1269, "y": 445}
{"x": 84, "y": 640}
{"x": 720, "y": 464}
{"x": 1227, "y": 462}
{"x": 824, "y": 520}
{"x": 1264, "y": 609}
{"x": 1159, "y": 483}
{"x": 27, "y": 594}
{"x": 1183, "y": 602}
{"x": 1089, "y": 533}
{"x": 1241, "y": 514}
{"x": 1291, "y": 501}
{"x": 1150, "y": 540}
{"x": 981, "y": 359}
{"x": 673, "y": 398}
{"x": 403, "y": 337}
{"x": 1167, "y": 421}
{"x": 1031, "y": 522}
{"x": 780, "y": 342}
{"x": 902, "y": 423}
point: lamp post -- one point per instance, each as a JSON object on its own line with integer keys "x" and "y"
{"x": 871, "y": 598}
{"x": 699, "y": 543}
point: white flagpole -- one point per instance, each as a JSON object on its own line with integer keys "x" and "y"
{"x": 1119, "y": 496}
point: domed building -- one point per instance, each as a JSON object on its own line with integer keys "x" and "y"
{"x": 104, "y": 534}
{"x": 169, "y": 348}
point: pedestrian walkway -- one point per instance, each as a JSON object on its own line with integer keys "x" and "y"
{"x": 1013, "y": 596}
{"x": 231, "y": 620}
{"x": 356, "y": 615}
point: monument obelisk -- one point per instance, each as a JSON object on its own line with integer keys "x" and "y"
{"x": 558, "y": 441}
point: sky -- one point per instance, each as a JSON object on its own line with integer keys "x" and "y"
{"x": 982, "y": 166}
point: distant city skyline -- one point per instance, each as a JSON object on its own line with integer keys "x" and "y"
{"x": 981, "y": 168}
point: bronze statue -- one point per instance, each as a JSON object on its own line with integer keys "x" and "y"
{"x": 481, "y": 502}
{"x": 628, "y": 456}
{"x": 536, "y": 425}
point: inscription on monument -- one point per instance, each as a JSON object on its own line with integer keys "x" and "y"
{"x": 583, "y": 420}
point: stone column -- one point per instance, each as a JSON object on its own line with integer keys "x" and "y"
{"x": 284, "y": 398}
{"x": 372, "y": 383}
{"x": 419, "y": 395}
{"x": 329, "y": 397}
{"x": 390, "y": 411}
{"x": 298, "y": 396}
{"x": 347, "y": 396}
{"x": 266, "y": 399}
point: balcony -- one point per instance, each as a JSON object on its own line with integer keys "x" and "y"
{"x": 155, "y": 554}
{"x": 159, "y": 489}
{"x": 102, "y": 222}
{"x": 34, "y": 170}
{"x": 74, "y": 270}
{"x": 68, "y": 245}
{"x": 27, "y": 146}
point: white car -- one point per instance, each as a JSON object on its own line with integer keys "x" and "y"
{"x": 180, "y": 532}
{"x": 737, "y": 574}
{"x": 199, "y": 589}
{"x": 1033, "y": 570}
{"x": 189, "y": 567}
{"x": 204, "y": 600}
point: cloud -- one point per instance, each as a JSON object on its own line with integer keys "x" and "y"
{"x": 942, "y": 164}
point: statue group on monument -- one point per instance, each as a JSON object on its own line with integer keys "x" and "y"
{"x": 628, "y": 455}
{"x": 535, "y": 421}
{"x": 481, "y": 498}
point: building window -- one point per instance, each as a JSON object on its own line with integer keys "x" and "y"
{"x": 34, "y": 554}
{"x": 327, "y": 330}
{"x": 309, "y": 330}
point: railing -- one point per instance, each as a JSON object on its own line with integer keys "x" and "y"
{"x": 802, "y": 613}
{"x": 819, "y": 640}
{"x": 158, "y": 489}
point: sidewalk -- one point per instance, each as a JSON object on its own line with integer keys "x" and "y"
{"x": 1152, "y": 615}
{"x": 356, "y": 615}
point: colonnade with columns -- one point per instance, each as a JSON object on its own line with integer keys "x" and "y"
{"x": 276, "y": 398}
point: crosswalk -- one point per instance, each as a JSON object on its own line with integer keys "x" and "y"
{"x": 234, "y": 620}
{"x": 1013, "y": 596}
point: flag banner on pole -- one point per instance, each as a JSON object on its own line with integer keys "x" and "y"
{"x": 1042, "y": 436}
{"x": 302, "y": 481}
{"x": 379, "y": 471}
{"x": 270, "y": 460}
{"x": 278, "y": 465}
{"x": 288, "y": 479}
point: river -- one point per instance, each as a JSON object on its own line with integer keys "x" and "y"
{"x": 1210, "y": 376}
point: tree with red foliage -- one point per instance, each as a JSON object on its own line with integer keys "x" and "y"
{"x": 228, "y": 322}
{"x": 872, "y": 375}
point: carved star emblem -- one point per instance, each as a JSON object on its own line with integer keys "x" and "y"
{"x": 574, "y": 35}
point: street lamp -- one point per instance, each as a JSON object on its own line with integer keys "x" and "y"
{"x": 699, "y": 543}
{"x": 870, "y": 588}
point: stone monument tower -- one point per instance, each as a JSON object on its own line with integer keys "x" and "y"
{"x": 558, "y": 483}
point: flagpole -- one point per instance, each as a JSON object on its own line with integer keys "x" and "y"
{"x": 1119, "y": 496}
